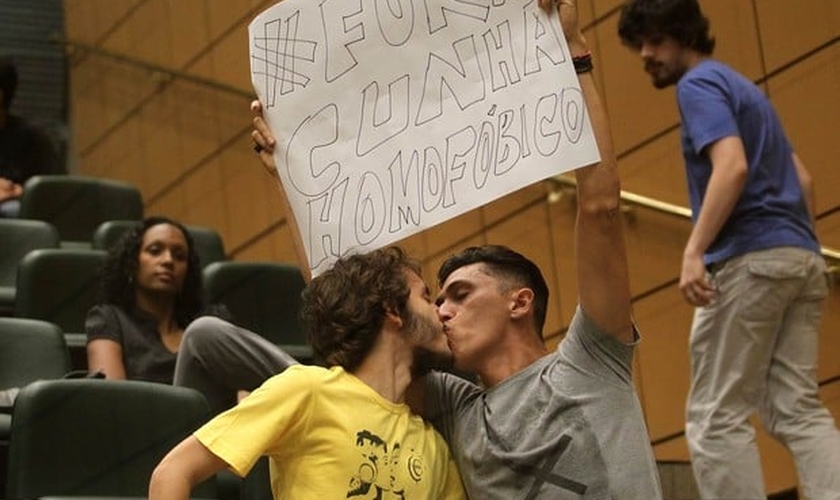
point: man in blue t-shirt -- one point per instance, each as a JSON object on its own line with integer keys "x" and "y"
{"x": 751, "y": 266}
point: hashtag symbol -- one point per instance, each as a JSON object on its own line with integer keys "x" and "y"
{"x": 277, "y": 54}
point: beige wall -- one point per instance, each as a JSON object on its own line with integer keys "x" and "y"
{"x": 187, "y": 146}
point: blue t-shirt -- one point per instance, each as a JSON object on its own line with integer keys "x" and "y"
{"x": 716, "y": 102}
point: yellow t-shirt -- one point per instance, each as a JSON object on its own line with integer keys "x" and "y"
{"x": 328, "y": 435}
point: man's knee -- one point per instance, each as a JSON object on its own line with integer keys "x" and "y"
{"x": 203, "y": 331}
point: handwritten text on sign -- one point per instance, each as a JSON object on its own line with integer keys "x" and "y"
{"x": 395, "y": 115}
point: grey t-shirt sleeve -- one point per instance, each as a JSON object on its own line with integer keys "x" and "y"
{"x": 590, "y": 349}
{"x": 102, "y": 323}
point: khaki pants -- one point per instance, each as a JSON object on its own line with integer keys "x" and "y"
{"x": 755, "y": 349}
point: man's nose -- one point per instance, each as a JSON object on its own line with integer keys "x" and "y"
{"x": 442, "y": 312}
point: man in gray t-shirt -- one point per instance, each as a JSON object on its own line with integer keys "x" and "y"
{"x": 546, "y": 425}
{"x": 567, "y": 426}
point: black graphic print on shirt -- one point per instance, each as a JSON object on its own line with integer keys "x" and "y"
{"x": 383, "y": 469}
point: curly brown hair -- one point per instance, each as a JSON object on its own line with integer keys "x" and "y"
{"x": 344, "y": 308}
{"x": 681, "y": 19}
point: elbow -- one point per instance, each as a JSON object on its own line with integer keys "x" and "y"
{"x": 605, "y": 202}
{"x": 166, "y": 479}
{"x": 739, "y": 171}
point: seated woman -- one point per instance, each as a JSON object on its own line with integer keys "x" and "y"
{"x": 151, "y": 323}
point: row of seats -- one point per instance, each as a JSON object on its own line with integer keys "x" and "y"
{"x": 76, "y": 205}
{"x": 74, "y": 438}
{"x": 89, "y": 437}
{"x": 50, "y": 259}
{"x": 60, "y": 285}
{"x": 21, "y": 236}
{"x": 83, "y": 437}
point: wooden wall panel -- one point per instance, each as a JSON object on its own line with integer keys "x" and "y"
{"x": 604, "y": 7}
{"x": 807, "y": 98}
{"x": 828, "y": 367}
{"x": 91, "y": 20}
{"x": 190, "y": 31}
{"x": 231, "y": 58}
{"x": 162, "y": 163}
{"x": 735, "y": 29}
{"x": 563, "y": 282}
{"x": 205, "y": 197}
{"x": 828, "y": 228}
{"x": 664, "y": 321}
{"x": 453, "y": 232}
{"x": 508, "y": 206}
{"x": 127, "y": 161}
{"x": 787, "y": 32}
{"x": 150, "y": 33}
{"x": 171, "y": 204}
{"x": 657, "y": 171}
{"x": 196, "y": 117}
{"x": 654, "y": 248}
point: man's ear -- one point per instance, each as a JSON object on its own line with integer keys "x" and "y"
{"x": 522, "y": 302}
{"x": 392, "y": 315}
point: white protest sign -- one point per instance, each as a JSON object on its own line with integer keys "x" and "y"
{"x": 392, "y": 116}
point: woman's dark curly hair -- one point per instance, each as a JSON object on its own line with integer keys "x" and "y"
{"x": 344, "y": 308}
{"x": 118, "y": 273}
{"x": 680, "y": 19}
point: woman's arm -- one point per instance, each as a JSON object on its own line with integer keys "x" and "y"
{"x": 104, "y": 347}
{"x": 105, "y": 356}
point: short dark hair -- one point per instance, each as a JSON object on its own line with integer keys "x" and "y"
{"x": 344, "y": 308}
{"x": 117, "y": 285}
{"x": 8, "y": 80}
{"x": 679, "y": 19}
{"x": 510, "y": 267}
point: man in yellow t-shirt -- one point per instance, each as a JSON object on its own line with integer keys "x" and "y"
{"x": 343, "y": 431}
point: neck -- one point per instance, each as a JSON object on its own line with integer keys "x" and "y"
{"x": 162, "y": 308}
{"x": 693, "y": 58}
{"x": 518, "y": 350}
{"x": 387, "y": 368}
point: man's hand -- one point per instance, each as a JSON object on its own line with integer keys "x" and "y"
{"x": 568, "y": 12}
{"x": 693, "y": 283}
{"x": 9, "y": 189}
{"x": 264, "y": 144}
{"x": 263, "y": 139}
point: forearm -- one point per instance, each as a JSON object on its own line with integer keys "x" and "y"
{"x": 603, "y": 279}
{"x": 726, "y": 183}
{"x": 168, "y": 486}
{"x": 106, "y": 356}
{"x": 181, "y": 469}
{"x": 806, "y": 182}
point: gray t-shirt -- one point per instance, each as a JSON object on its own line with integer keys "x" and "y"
{"x": 568, "y": 426}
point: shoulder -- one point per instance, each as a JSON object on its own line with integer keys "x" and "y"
{"x": 301, "y": 378}
{"x": 102, "y": 321}
{"x": 115, "y": 318}
{"x": 711, "y": 75}
{"x": 25, "y": 129}
{"x": 445, "y": 391}
{"x": 105, "y": 313}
